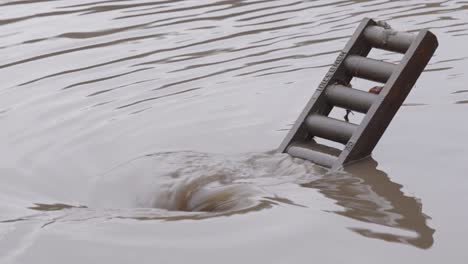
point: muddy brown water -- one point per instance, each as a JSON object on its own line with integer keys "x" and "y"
{"x": 144, "y": 131}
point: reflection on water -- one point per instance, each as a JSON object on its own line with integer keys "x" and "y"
{"x": 368, "y": 195}
{"x": 194, "y": 186}
{"x": 90, "y": 84}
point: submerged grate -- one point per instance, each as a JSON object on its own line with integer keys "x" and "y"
{"x": 379, "y": 109}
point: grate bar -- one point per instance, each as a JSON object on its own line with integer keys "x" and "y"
{"x": 316, "y": 153}
{"x": 330, "y": 128}
{"x": 388, "y": 39}
{"x": 349, "y": 98}
{"x": 370, "y": 69}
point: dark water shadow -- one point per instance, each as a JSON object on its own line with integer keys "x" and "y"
{"x": 69, "y": 213}
{"x": 53, "y": 207}
{"x": 368, "y": 195}
{"x": 140, "y": 214}
{"x": 262, "y": 205}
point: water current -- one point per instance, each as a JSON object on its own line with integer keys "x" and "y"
{"x": 145, "y": 131}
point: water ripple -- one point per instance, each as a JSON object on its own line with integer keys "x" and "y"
{"x": 87, "y": 84}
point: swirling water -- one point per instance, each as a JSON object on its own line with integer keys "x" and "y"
{"x": 143, "y": 131}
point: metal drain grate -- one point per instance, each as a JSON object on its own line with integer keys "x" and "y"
{"x": 379, "y": 109}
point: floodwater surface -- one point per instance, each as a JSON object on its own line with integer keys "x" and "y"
{"x": 145, "y": 132}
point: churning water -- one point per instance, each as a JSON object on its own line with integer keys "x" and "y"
{"x": 144, "y": 131}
